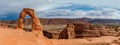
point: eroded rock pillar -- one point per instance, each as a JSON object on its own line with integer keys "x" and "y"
{"x": 68, "y": 32}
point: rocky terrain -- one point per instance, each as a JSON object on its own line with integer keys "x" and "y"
{"x": 62, "y": 21}
{"x": 39, "y": 31}
{"x": 81, "y": 30}
{"x": 10, "y": 36}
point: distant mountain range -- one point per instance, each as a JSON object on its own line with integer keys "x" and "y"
{"x": 64, "y": 21}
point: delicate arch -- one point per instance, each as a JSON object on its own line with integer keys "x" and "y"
{"x": 36, "y": 25}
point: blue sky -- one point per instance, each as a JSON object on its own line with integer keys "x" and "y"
{"x": 107, "y": 9}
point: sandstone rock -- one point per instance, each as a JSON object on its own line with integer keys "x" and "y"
{"x": 35, "y": 21}
{"x": 46, "y": 21}
{"x": 36, "y": 25}
{"x": 81, "y": 26}
{"x": 68, "y": 32}
{"x": 47, "y": 34}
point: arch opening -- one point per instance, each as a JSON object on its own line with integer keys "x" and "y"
{"x": 35, "y": 21}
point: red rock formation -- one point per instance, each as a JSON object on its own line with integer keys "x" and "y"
{"x": 47, "y": 21}
{"x": 35, "y": 21}
{"x": 81, "y": 26}
{"x": 68, "y": 32}
{"x": 73, "y": 28}
{"x": 36, "y": 25}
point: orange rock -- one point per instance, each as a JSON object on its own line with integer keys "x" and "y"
{"x": 71, "y": 29}
{"x": 81, "y": 26}
{"x": 36, "y": 25}
{"x": 68, "y": 32}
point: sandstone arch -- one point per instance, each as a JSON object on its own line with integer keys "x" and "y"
{"x": 36, "y": 25}
{"x": 68, "y": 32}
{"x": 35, "y": 21}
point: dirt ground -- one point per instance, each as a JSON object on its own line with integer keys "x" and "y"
{"x": 10, "y": 36}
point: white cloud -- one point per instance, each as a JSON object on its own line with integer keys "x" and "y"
{"x": 35, "y": 4}
{"x": 50, "y": 1}
{"x": 15, "y": 6}
{"x": 107, "y": 13}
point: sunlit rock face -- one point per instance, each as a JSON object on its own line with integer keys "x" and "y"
{"x": 36, "y": 25}
{"x": 68, "y": 32}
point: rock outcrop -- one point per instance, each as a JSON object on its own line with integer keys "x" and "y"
{"x": 68, "y": 32}
{"x": 79, "y": 27}
{"x": 47, "y": 34}
{"x": 35, "y": 21}
{"x": 18, "y": 37}
{"x": 85, "y": 30}
{"x": 48, "y": 21}
{"x": 36, "y": 25}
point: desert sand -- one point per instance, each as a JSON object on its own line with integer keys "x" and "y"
{"x": 10, "y": 36}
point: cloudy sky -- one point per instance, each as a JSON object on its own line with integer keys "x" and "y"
{"x": 105, "y": 9}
